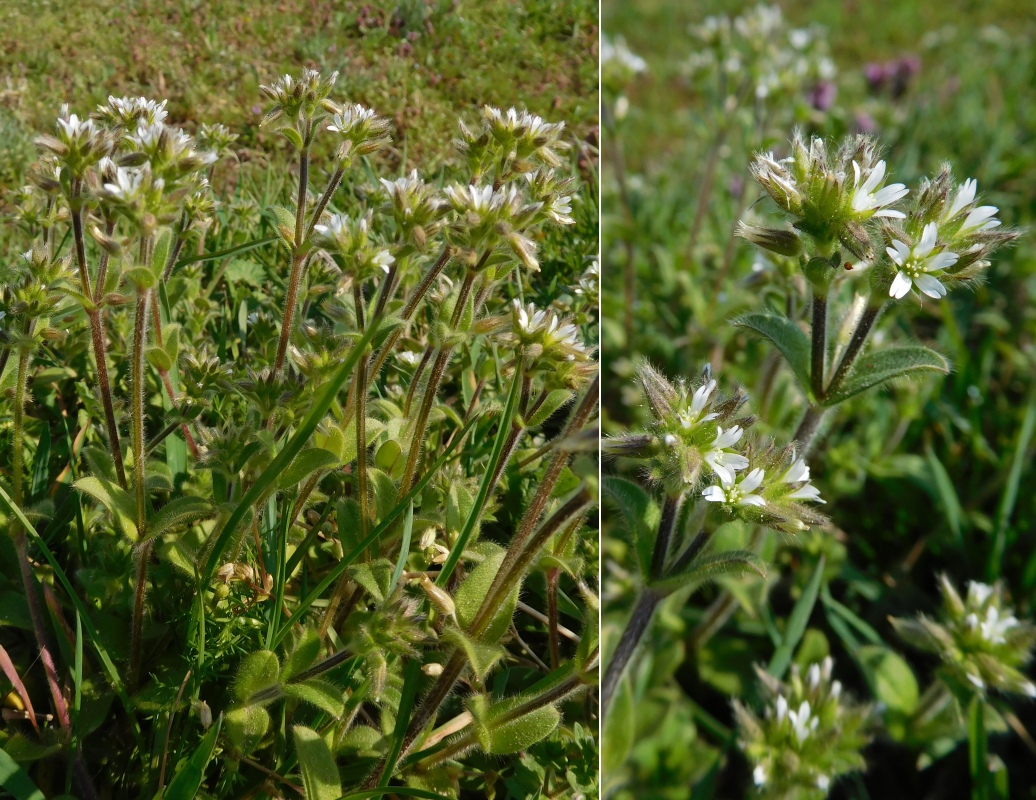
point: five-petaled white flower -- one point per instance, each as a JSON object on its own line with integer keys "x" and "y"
{"x": 917, "y": 265}
{"x": 802, "y": 721}
{"x": 693, "y": 416}
{"x": 724, "y": 461}
{"x": 738, "y": 493}
{"x": 870, "y": 200}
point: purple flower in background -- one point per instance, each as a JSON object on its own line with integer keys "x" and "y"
{"x": 865, "y": 122}
{"x": 875, "y": 75}
{"x": 822, "y": 97}
{"x": 894, "y": 75}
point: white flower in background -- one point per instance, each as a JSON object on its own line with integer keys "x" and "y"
{"x": 589, "y": 281}
{"x": 693, "y": 416}
{"x": 759, "y": 775}
{"x": 798, "y": 472}
{"x": 126, "y": 110}
{"x": 870, "y": 200}
{"x": 560, "y": 210}
{"x": 74, "y": 129}
{"x": 409, "y": 357}
{"x": 916, "y": 265}
{"x": 738, "y": 493}
{"x": 992, "y": 627}
{"x": 619, "y": 53}
{"x": 128, "y": 183}
{"x": 723, "y": 460}
{"x": 350, "y": 118}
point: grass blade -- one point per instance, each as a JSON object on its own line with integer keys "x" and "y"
{"x": 16, "y": 780}
{"x": 797, "y": 623}
{"x": 1010, "y": 495}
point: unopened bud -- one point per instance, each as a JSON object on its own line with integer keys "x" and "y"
{"x": 776, "y": 240}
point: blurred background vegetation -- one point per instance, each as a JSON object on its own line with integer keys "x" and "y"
{"x": 929, "y": 477}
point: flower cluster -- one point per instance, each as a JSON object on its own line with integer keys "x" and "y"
{"x": 79, "y": 144}
{"x": 545, "y": 336}
{"x": 771, "y": 491}
{"x": 619, "y": 68}
{"x": 417, "y": 208}
{"x": 347, "y": 240}
{"x": 361, "y": 130}
{"x": 782, "y": 63}
{"x": 982, "y": 643}
{"x": 130, "y": 112}
{"x": 808, "y": 735}
{"x": 844, "y": 199}
{"x": 297, "y": 97}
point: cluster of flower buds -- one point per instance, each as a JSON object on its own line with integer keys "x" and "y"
{"x": 131, "y": 112}
{"x": 35, "y": 285}
{"x": 348, "y": 241}
{"x": 771, "y": 491}
{"x": 983, "y": 645}
{"x": 297, "y": 99}
{"x": 79, "y": 143}
{"x": 551, "y": 344}
{"x": 944, "y": 242}
{"x": 488, "y": 216}
{"x": 360, "y": 130}
{"x": 510, "y": 143}
{"x": 808, "y": 735}
{"x": 589, "y": 286}
{"x": 417, "y": 208}
{"x": 216, "y": 138}
{"x": 169, "y": 151}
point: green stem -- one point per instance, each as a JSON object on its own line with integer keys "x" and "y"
{"x": 639, "y": 622}
{"x": 143, "y": 552}
{"x": 361, "y": 421}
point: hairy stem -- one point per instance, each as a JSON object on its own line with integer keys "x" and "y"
{"x": 139, "y": 477}
{"x": 639, "y": 622}
{"x": 360, "y": 385}
{"x": 666, "y": 526}
{"x": 859, "y": 338}
{"x": 807, "y": 430}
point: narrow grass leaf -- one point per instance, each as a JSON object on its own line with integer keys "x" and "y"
{"x": 978, "y": 749}
{"x": 1010, "y": 495}
{"x": 404, "y": 547}
{"x": 187, "y": 782}
{"x": 7, "y": 665}
{"x": 16, "y": 780}
{"x": 797, "y": 622}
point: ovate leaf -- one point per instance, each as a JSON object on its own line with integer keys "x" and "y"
{"x": 305, "y": 464}
{"x": 114, "y": 498}
{"x": 320, "y": 780}
{"x": 258, "y": 671}
{"x": 177, "y": 512}
{"x": 472, "y": 592}
{"x": 318, "y": 693}
{"x": 890, "y": 677}
{"x": 881, "y": 366}
{"x": 787, "y": 337}
{"x": 707, "y": 568}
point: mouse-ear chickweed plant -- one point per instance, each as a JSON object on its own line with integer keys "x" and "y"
{"x": 327, "y": 455}
{"x": 864, "y": 245}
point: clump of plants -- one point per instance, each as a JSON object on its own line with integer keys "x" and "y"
{"x": 297, "y": 482}
{"x": 863, "y": 246}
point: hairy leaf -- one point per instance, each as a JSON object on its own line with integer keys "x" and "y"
{"x": 320, "y": 778}
{"x": 640, "y": 512}
{"x": 881, "y": 366}
{"x": 707, "y": 568}
{"x": 787, "y": 337}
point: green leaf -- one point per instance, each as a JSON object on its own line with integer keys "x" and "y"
{"x": 319, "y": 693}
{"x": 16, "y": 780}
{"x": 945, "y": 493}
{"x": 555, "y": 400}
{"x": 302, "y": 655}
{"x": 880, "y": 366}
{"x": 160, "y": 253}
{"x": 404, "y": 548}
{"x": 178, "y": 511}
{"x": 230, "y": 251}
{"x": 114, "y": 498}
{"x": 320, "y": 778}
{"x": 306, "y": 463}
{"x": 481, "y": 657}
{"x": 258, "y": 671}
{"x": 242, "y": 270}
{"x": 187, "y": 781}
{"x": 472, "y": 593}
{"x": 246, "y": 727}
{"x": 797, "y": 622}
{"x": 640, "y": 512}
{"x": 707, "y": 568}
{"x": 159, "y": 359}
{"x": 41, "y": 464}
{"x": 787, "y": 337}
{"x": 141, "y": 277}
{"x": 502, "y": 738}
{"x": 890, "y": 677}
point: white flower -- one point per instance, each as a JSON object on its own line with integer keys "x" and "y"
{"x": 823, "y": 783}
{"x": 560, "y": 210}
{"x": 965, "y": 197}
{"x": 836, "y": 690}
{"x": 692, "y": 416}
{"x": 409, "y": 357}
{"x": 799, "y": 472}
{"x": 782, "y": 708}
{"x": 531, "y": 319}
{"x": 759, "y": 775}
{"x": 802, "y": 722}
{"x": 128, "y": 183}
{"x": 737, "y": 494}
{"x": 868, "y": 198}
{"x": 723, "y": 461}
{"x": 589, "y": 281}
{"x": 916, "y": 265}
{"x": 994, "y": 627}
{"x": 813, "y": 676}
{"x": 979, "y": 219}
{"x": 75, "y": 128}
{"x": 978, "y": 593}
{"x": 622, "y": 55}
